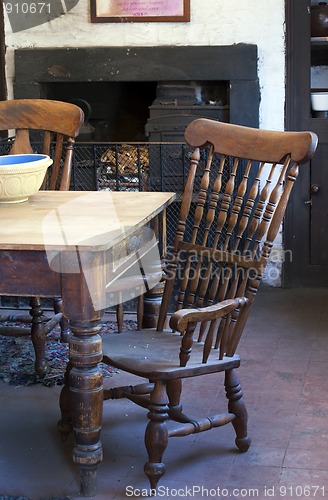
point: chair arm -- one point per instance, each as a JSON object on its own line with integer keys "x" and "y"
{"x": 180, "y": 319}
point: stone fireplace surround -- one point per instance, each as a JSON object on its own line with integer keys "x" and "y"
{"x": 237, "y": 64}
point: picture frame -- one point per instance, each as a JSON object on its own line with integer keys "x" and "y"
{"x": 144, "y": 11}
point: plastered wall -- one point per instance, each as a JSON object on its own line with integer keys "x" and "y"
{"x": 213, "y": 22}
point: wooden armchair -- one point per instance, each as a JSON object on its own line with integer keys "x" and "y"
{"x": 232, "y": 208}
{"x": 55, "y": 125}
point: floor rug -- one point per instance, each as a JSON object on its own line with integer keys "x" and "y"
{"x": 17, "y": 358}
{"x": 10, "y": 497}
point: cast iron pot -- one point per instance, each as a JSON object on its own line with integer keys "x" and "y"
{"x": 319, "y": 19}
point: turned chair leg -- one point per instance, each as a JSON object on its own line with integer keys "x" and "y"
{"x": 173, "y": 390}
{"x": 64, "y": 425}
{"x": 156, "y": 435}
{"x": 120, "y": 313}
{"x": 237, "y": 406}
{"x": 119, "y": 317}
{"x": 38, "y": 336}
{"x": 140, "y": 311}
{"x": 64, "y": 324}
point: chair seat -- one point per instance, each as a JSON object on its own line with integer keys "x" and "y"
{"x": 154, "y": 355}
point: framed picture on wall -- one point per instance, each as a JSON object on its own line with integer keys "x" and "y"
{"x": 145, "y": 11}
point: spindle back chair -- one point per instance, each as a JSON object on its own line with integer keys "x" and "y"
{"x": 231, "y": 212}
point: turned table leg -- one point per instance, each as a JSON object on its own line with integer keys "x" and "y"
{"x": 86, "y": 402}
{"x": 85, "y": 389}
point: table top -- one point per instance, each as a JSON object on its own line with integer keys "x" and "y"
{"x": 92, "y": 220}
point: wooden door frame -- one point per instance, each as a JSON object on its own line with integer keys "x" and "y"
{"x": 297, "y": 115}
{"x": 3, "y": 83}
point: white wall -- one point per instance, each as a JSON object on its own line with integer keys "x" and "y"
{"x": 213, "y": 22}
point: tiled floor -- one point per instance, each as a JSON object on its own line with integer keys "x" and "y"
{"x": 284, "y": 375}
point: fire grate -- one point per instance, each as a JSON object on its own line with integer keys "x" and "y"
{"x": 128, "y": 167}
{"x": 133, "y": 167}
{"x": 136, "y": 167}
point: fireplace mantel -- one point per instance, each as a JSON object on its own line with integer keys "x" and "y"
{"x": 234, "y": 63}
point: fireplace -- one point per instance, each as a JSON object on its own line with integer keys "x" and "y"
{"x": 144, "y": 94}
{"x": 134, "y": 82}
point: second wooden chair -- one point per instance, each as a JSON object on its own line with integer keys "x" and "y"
{"x": 55, "y": 125}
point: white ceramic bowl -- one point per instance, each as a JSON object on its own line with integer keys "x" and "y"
{"x": 21, "y": 176}
{"x": 319, "y": 101}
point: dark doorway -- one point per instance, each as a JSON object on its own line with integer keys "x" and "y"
{"x": 306, "y": 234}
{"x": 3, "y": 86}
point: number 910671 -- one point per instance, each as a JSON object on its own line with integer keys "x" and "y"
{"x": 33, "y": 8}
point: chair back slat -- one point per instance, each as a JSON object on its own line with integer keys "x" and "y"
{"x": 225, "y": 232}
{"x": 47, "y": 136}
{"x": 46, "y": 145}
{"x": 22, "y": 144}
{"x": 57, "y": 157}
{"x": 214, "y": 199}
{"x": 260, "y": 205}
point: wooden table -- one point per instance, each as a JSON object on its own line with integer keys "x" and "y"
{"x": 85, "y": 237}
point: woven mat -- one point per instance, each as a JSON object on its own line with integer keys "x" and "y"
{"x": 10, "y": 497}
{"x": 17, "y": 358}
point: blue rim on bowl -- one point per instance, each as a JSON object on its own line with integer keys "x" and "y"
{"x": 21, "y": 176}
{"x": 21, "y": 158}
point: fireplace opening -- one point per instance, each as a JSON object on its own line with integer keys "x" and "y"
{"x": 116, "y": 111}
{"x": 142, "y": 111}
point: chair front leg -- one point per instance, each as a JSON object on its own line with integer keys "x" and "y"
{"x": 156, "y": 435}
{"x": 65, "y": 332}
{"x": 173, "y": 389}
{"x": 65, "y": 425}
{"x": 237, "y": 406}
{"x": 38, "y": 336}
